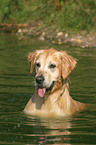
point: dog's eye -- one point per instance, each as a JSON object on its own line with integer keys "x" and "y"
{"x": 38, "y": 64}
{"x": 52, "y": 66}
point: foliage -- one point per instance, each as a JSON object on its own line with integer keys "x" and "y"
{"x": 74, "y": 15}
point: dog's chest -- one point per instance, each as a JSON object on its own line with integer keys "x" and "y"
{"x": 50, "y": 105}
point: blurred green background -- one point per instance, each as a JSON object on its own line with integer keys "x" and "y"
{"x": 67, "y": 15}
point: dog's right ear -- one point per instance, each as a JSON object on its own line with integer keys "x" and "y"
{"x": 32, "y": 60}
{"x": 32, "y": 57}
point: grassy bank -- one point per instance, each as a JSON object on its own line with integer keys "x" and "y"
{"x": 66, "y": 15}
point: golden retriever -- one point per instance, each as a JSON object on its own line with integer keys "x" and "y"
{"x": 52, "y": 94}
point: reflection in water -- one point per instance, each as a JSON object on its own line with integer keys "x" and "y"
{"x": 16, "y": 88}
{"x": 57, "y": 129}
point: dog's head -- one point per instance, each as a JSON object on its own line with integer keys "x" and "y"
{"x": 51, "y": 67}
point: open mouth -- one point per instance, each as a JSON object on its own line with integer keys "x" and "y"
{"x": 42, "y": 91}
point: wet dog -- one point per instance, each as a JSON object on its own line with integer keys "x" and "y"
{"x": 52, "y": 95}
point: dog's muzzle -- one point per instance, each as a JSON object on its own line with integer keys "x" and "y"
{"x": 40, "y": 86}
{"x": 39, "y": 83}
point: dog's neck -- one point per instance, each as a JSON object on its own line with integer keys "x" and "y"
{"x": 65, "y": 85}
{"x": 60, "y": 83}
{"x": 60, "y": 96}
{"x": 60, "y": 90}
{"x": 65, "y": 81}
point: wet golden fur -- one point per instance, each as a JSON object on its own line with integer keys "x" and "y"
{"x": 57, "y": 101}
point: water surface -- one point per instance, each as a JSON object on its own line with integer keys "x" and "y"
{"x": 17, "y": 86}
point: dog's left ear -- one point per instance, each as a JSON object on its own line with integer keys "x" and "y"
{"x": 32, "y": 60}
{"x": 68, "y": 64}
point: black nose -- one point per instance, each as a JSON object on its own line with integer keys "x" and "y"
{"x": 39, "y": 79}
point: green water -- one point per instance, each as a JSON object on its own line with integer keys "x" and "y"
{"x": 17, "y": 86}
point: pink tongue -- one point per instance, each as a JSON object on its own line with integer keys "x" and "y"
{"x": 41, "y": 92}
